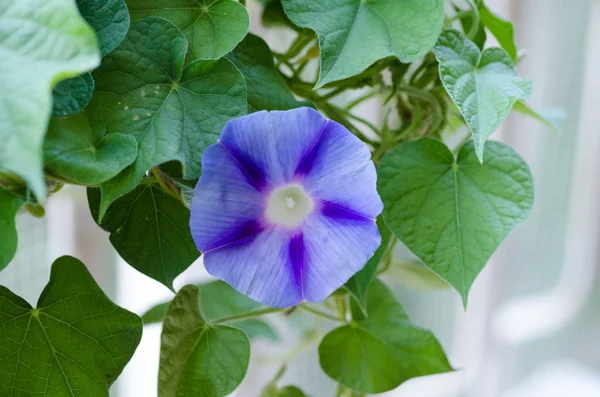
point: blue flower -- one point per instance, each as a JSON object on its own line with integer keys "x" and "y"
{"x": 285, "y": 209}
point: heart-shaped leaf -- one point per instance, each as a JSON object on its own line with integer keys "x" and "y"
{"x": 266, "y": 88}
{"x": 212, "y": 27}
{"x": 142, "y": 90}
{"x": 353, "y": 34}
{"x": 75, "y": 343}
{"x": 9, "y": 205}
{"x": 150, "y": 230}
{"x": 42, "y": 42}
{"x": 358, "y": 284}
{"x": 219, "y": 300}
{"x": 197, "y": 357}
{"x": 484, "y": 85}
{"x": 110, "y": 20}
{"x": 379, "y": 352}
{"x": 78, "y": 154}
{"x": 454, "y": 214}
{"x": 71, "y": 96}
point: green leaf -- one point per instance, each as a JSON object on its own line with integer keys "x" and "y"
{"x": 267, "y": 90}
{"x": 551, "y": 118}
{"x": 212, "y": 27}
{"x": 288, "y": 391}
{"x": 219, "y": 300}
{"x": 484, "y": 85}
{"x": 150, "y": 231}
{"x": 353, "y": 34}
{"x": 75, "y": 343}
{"x": 358, "y": 284}
{"x": 379, "y": 352}
{"x": 502, "y": 30}
{"x": 76, "y": 153}
{"x": 71, "y": 96}
{"x": 9, "y": 206}
{"x": 174, "y": 114}
{"x": 196, "y": 357}
{"x": 110, "y": 20}
{"x": 42, "y": 42}
{"x": 454, "y": 214}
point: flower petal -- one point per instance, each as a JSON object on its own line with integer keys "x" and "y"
{"x": 335, "y": 249}
{"x": 271, "y": 145}
{"x": 260, "y": 267}
{"x": 339, "y": 170}
{"x": 225, "y": 206}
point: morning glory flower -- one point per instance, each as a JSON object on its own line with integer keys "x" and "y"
{"x": 285, "y": 208}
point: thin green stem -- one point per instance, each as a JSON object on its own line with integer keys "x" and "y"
{"x": 302, "y": 40}
{"x": 340, "y": 304}
{"x": 475, "y": 16}
{"x": 460, "y": 14}
{"x": 333, "y": 113}
{"x": 360, "y": 100}
{"x": 387, "y": 257}
{"x": 428, "y": 97}
{"x": 333, "y": 93}
{"x": 356, "y": 118}
{"x": 322, "y": 314}
{"x": 166, "y": 183}
{"x": 248, "y": 315}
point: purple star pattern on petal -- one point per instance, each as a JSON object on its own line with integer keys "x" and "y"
{"x": 285, "y": 208}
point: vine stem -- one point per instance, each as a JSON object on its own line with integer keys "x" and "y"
{"x": 428, "y": 97}
{"x": 475, "y": 24}
{"x": 269, "y": 310}
{"x": 322, "y": 314}
{"x": 248, "y": 315}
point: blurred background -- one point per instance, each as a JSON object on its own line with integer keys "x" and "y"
{"x": 533, "y": 318}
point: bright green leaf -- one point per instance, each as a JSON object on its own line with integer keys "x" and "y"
{"x": 552, "y": 118}
{"x": 212, "y": 27}
{"x": 197, "y": 358}
{"x": 76, "y": 153}
{"x": 454, "y": 214}
{"x": 266, "y": 88}
{"x": 9, "y": 205}
{"x": 353, "y": 34}
{"x": 381, "y": 351}
{"x": 71, "y": 96}
{"x": 150, "y": 230}
{"x": 174, "y": 114}
{"x": 41, "y": 43}
{"x": 484, "y": 85}
{"x": 358, "y": 284}
{"x": 502, "y": 30}
{"x": 75, "y": 343}
{"x": 219, "y": 300}
{"x": 110, "y": 20}
{"x": 288, "y": 391}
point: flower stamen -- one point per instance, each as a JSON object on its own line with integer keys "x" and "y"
{"x": 289, "y": 206}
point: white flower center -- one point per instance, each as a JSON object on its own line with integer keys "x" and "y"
{"x": 289, "y": 205}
